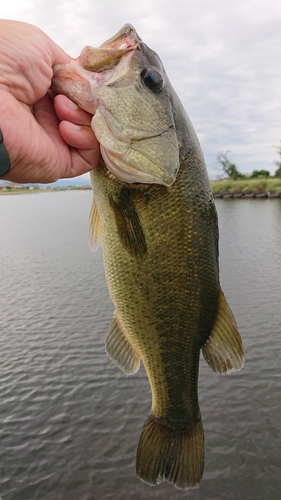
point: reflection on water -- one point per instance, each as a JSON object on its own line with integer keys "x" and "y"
{"x": 70, "y": 420}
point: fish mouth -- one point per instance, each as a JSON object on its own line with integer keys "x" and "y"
{"x": 125, "y": 38}
{"x": 96, "y": 67}
{"x": 99, "y": 71}
{"x": 109, "y": 54}
{"x": 98, "y": 62}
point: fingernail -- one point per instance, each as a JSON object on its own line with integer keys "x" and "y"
{"x": 70, "y": 104}
{"x": 73, "y": 126}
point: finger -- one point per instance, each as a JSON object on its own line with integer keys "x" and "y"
{"x": 58, "y": 55}
{"x": 83, "y": 160}
{"x": 83, "y": 139}
{"x": 69, "y": 111}
{"x": 78, "y": 136}
{"x": 34, "y": 156}
{"x": 79, "y": 140}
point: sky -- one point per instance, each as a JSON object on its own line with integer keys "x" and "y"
{"x": 223, "y": 59}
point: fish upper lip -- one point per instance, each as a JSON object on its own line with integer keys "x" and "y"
{"x": 126, "y": 41}
{"x": 127, "y": 37}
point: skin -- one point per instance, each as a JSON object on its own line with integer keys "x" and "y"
{"x": 47, "y": 137}
{"x": 160, "y": 254}
{"x": 160, "y": 248}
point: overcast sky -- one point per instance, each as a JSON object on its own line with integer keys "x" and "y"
{"x": 223, "y": 58}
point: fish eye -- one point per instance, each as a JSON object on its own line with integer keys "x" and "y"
{"x": 152, "y": 79}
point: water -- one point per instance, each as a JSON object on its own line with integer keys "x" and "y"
{"x": 69, "y": 419}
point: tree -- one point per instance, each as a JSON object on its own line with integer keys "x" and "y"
{"x": 278, "y": 162}
{"x": 229, "y": 168}
{"x": 259, "y": 173}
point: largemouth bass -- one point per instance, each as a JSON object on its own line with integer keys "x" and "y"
{"x": 154, "y": 212}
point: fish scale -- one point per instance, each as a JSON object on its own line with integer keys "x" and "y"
{"x": 164, "y": 317}
{"x": 154, "y": 214}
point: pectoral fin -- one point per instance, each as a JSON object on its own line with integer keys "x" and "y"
{"x": 128, "y": 222}
{"x": 223, "y": 350}
{"x": 95, "y": 240}
{"x": 119, "y": 349}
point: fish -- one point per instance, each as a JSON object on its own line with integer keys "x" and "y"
{"x": 154, "y": 214}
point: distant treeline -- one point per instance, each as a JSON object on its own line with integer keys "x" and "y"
{"x": 231, "y": 171}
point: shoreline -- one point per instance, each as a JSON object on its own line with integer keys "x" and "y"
{"x": 238, "y": 195}
{"x": 224, "y": 189}
{"x": 262, "y": 188}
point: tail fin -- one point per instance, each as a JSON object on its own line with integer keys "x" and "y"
{"x": 163, "y": 454}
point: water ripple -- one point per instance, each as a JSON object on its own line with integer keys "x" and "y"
{"x": 70, "y": 420}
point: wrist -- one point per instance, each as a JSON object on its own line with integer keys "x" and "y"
{"x": 5, "y": 163}
{"x": 9, "y": 112}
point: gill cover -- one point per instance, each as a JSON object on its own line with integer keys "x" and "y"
{"x": 124, "y": 83}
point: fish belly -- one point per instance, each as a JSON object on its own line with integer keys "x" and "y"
{"x": 165, "y": 297}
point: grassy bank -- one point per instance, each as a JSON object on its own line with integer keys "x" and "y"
{"x": 264, "y": 184}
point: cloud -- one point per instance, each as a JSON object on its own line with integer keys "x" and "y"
{"x": 221, "y": 57}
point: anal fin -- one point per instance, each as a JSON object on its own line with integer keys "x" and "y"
{"x": 119, "y": 349}
{"x": 223, "y": 350}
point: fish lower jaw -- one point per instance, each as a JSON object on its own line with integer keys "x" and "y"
{"x": 128, "y": 173}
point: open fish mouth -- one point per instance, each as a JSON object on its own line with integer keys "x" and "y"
{"x": 130, "y": 137}
{"x": 160, "y": 246}
{"x": 96, "y": 67}
{"x": 125, "y": 38}
{"x": 110, "y": 52}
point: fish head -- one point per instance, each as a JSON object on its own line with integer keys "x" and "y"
{"x": 124, "y": 85}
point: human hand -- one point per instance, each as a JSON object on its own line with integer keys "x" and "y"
{"x": 41, "y": 148}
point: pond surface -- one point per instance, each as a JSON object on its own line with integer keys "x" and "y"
{"x": 70, "y": 420}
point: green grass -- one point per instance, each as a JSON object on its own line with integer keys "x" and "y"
{"x": 267, "y": 184}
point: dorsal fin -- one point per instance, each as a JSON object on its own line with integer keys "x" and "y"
{"x": 95, "y": 239}
{"x": 223, "y": 350}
